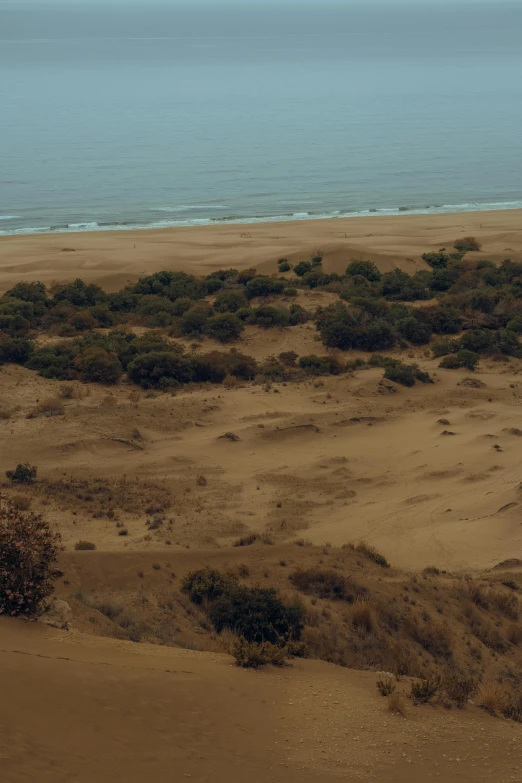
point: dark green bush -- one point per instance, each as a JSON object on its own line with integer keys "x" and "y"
{"x": 230, "y": 301}
{"x": 302, "y": 268}
{"x": 263, "y": 286}
{"x": 14, "y": 349}
{"x": 284, "y": 265}
{"x": 97, "y": 365}
{"x": 224, "y": 327}
{"x": 257, "y": 614}
{"x": 366, "y": 269}
{"x": 22, "y": 474}
{"x": 208, "y": 584}
{"x": 268, "y": 316}
{"x": 194, "y": 320}
{"x": 415, "y": 331}
{"x": 161, "y": 369}
{"x": 320, "y": 365}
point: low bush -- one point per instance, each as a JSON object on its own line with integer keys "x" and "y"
{"x": 208, "y": 584}
{"x": 257, "y": 614}
{"x": 385, "y": 686}
{"x": 28, "y": 553}
{"x": 84, "y": 545}
{"x": 459, "y": 689}
{"x": 22, "y": 474}
{"x": 425, "y": 690}
{"x": 251, "y": 655}
{"x": 467, "y": 244}
{"x": 327, "y": 583}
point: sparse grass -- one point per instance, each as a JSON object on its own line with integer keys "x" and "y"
{"x": 251, "y": 538}
{"x": 363, "y": 617}
{"x": 491, "y": 697}
{"x": 372, "y": 554}
{"x": 326, "y": 583}
{"x": 103, "y": 496}
{"x": 51, "y": 407}
{"x": 21, "y": 502}
{"x": 84, "y": 545}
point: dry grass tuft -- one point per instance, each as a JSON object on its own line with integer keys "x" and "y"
{"x": 492, "y": 698}
{"x": 396, "y": 704}
{"x": 21, "y": 502}
{"x": 50, "y": 407}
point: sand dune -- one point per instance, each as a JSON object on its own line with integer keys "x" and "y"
{"x": 113, "y": 258}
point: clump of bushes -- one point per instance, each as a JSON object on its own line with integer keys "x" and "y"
{"x": 256, "y": 614}
{"x": 405, "y": 374}
{"x": 28, "y": 553}
{"x": 22, "y": 474}
{"x": 467, "y": 245}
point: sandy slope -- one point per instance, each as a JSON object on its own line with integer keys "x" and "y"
{"x": 80, "y": 708}
{"x": 112, "y": 258}
{"x": 335, "y": 460}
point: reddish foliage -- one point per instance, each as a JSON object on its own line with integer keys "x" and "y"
{"x": 28, "y": 553}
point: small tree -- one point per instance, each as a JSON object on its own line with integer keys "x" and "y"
{"x": 28, "y": 554}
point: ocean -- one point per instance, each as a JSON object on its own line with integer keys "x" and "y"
{"x": 135, "y": 114}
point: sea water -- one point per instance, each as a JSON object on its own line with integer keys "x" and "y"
{"x": 124, "y": 114}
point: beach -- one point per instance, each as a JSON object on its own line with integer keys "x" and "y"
{"x": 114, "y": 258}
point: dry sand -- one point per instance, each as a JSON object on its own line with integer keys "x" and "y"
{"x": 113, "y": 258}
{"x": 86, "y": 709}
{"x": 336, "y": 460}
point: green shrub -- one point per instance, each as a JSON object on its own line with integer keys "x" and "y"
{"x": 444, "y": 347}
{"x": 450, "y": 362}
{"x": 257, "y": 614}
{"x": 194, "y": 320}
{"x": 467, "y": 244}
{"x": 467, "y": 359}
{"x": 161, "y": 369}
{"x": 230, "y": 302}
{"x": 268, "y": 316}
{"x": 437, "y": 259}
{"x": 385, "y": 686}
{"x": 22, "y": 474}
{"x": 208, "y": 584}
{"x": 302, "y": 268}
{"x": 263, "y": 286}
{"x": 96, "y": 365}
{"x": 284, "y": 265}
{"x": 406, "y": 374}
{"x": 415, "y": 331}
{"x": 172, "y": 285}
{"x": 366, "y": 269}
{"x": 320, "y": 365}
{"x": 15, "y": 350}
{"x": 423, "y": 691}
{"x": 28, "y": 553}
{"x": 224, "y": 327}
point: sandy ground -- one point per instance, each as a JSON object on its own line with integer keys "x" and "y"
{"x": 113, "y": 258}
{"x": 335, "y": 461}
{"x": 429, "y": 475}
{"x": 117, "y": 711}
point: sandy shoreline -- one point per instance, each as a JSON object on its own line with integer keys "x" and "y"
{"x": 113, "y": 258}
